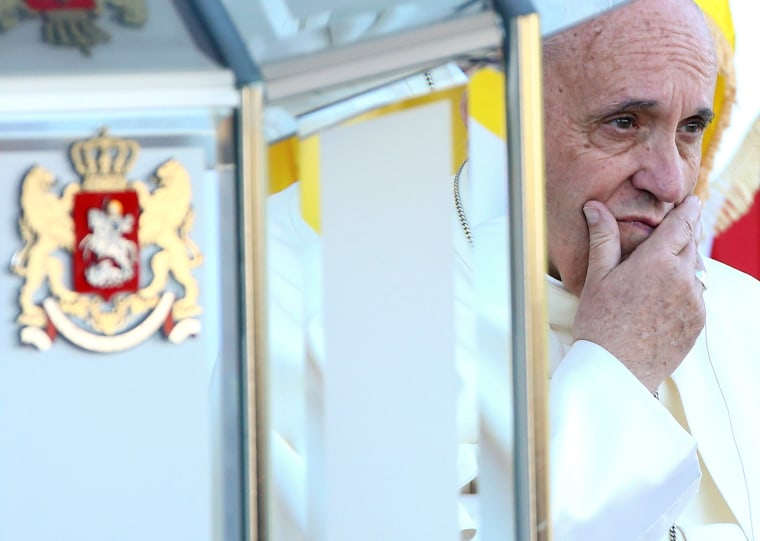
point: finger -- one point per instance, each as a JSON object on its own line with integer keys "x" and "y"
{"x": 700, "y": 272}
{"x": 688, "y": 256}
{"x": 698, "y": 233}
{"x": 700, "y": 265}
{"x": 679, "y": 227}
{"x": 604, "y": 241}
{"x": 692, "y": 267}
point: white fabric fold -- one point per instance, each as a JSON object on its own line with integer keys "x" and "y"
{"x": 620, "y": 462}
{"x": 717, "y": 389}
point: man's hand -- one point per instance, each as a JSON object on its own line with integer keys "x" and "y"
{"x": 648, "y": 309}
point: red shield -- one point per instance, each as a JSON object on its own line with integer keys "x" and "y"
{"x": 106, "y": 250}
{"x": 50, "y": 5}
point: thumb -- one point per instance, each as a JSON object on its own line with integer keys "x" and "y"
{"x": 604, "y": 241}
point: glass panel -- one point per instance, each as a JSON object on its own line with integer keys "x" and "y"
{"x": 341, "y": 175}
{"x": 372, "y": 310}
{"x": 126, "y": 396}
{"x": 358, "y": 244}
{"x": 371, "y": 302}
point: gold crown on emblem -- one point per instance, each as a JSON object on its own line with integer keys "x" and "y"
{"x": 103, "y": 161}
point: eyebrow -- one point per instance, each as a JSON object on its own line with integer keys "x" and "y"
{"x": 706, "y": 114}
{"x": 623, "y": 106}
{"x": 635, "y": 105}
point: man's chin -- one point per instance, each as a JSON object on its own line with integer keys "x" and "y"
{"x": 629, "y": 243}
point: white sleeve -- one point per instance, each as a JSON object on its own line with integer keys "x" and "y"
{"x": 621, "y": 466}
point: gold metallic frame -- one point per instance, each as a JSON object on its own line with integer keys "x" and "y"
{"x": 528, "y": 260}
{"x": 253, "y": 174}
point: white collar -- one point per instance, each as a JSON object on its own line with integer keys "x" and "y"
{"x": 562, "y": 306}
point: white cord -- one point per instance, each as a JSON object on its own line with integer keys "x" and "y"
{"x": 733, "y": 435}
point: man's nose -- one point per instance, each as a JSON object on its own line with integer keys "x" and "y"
{"x": 663, "y": 172}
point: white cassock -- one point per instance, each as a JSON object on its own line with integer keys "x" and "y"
{"x": 624, "y": 465}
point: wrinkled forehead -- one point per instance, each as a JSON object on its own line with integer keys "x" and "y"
{"x": 652, "y": 50}
{"x": 639, "y": 35}
{"x": 645, "y": 27}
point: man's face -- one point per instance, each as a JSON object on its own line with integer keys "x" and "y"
{"x": 627, "y": 98}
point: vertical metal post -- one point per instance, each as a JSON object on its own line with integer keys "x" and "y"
{"x": 252, "y": 195}
{"x": 527, "y": 222}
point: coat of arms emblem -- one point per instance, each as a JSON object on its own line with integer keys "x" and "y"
{"x": 72, "y": 23}
{"x": 109, "y": 261}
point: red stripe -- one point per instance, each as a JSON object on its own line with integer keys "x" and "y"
{"x": 739, "y": 245}
{"x": 51, "y": 5}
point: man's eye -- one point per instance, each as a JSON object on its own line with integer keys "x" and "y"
{"x": 694, "y": 126}
{"x": 623, "y": 122}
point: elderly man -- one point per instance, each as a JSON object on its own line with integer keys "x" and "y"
{"x": 628, "y": 96}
